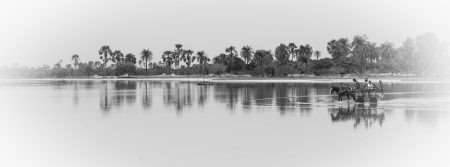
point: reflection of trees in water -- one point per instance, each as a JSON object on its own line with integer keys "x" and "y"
{"x": 146, "y": 98}
{"x": 246, "y": 98}
{"x": 178, "y": 94}
{"x": 359, "y": 114}
{"x": 286, "y": 97}
{"x": 105, "y": 101}
{"x": 202, "y": 95}
{"x": 123, "y": 91}
{"x": 227, "y": 94}
{"x": 75, "y": 94}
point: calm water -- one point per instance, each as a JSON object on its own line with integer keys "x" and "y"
{"x": 148, "y": 123}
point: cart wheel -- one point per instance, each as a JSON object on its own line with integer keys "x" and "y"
{"x": 373, "y": 100}
{"x": 360, "y": 100}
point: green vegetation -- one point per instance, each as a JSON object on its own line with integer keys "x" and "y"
{"x": 424, "y": 55}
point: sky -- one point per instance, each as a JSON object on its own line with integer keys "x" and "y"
{"x": 41, "y": 32}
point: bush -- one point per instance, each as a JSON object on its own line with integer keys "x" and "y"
{"x": 284, "y": 70}
{"x": 346, "y": 65}
{"x": 125, "y": 68}
{"x": 217, "y": 69}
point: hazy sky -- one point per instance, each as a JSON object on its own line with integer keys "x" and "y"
{"x": 43, "y": 32}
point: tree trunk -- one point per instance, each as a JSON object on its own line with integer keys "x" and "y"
{"x": 146, "y": 64}
{"x": 306, "y": 66}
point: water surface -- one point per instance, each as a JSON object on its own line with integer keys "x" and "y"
{"x": 173, "y": 123}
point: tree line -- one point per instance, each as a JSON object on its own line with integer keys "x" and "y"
{"x": 425, "y": 54}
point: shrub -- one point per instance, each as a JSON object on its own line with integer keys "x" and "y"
{"x": 125, "y": 68}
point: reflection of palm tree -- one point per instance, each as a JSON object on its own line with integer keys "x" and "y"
{"x": 105, "y": 104}
{"x": 247, "y": 102}
{"x": 202, "y": 95}
{"x": 75, "y": 96}
{"x": 146, "y": 101}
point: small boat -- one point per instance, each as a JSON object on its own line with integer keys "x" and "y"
{"x": 205, "y": 81}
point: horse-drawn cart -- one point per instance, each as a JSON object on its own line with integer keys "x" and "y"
{"x": 359, "y": 95}
{"x": 368, "y": 95}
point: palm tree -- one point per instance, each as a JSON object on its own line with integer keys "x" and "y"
{"x": 360, "y": 49}
{"x": 292, "y": 49}
{"x": 202, "y": 59}
{"x": 75, "y": 59}
{"x": 231, "y": 51}
{"x": 167, "y": 58}
{"x": 140, "y": 63}
{"x": 373, "y": 53}
{"x": 117, "y": 56}
{"x": 177, "y": 54}
{"x": 247, "y": 53}
{"x": 308, "y": 52}
{"x": 105, "y": 53}
{"x": 305, "y": 52}
{"x": 146, "y": 56}
{"x": 387, "y": 50}
{"x": 317, "y": 54}
{"x": 130, "y": 58}
{"x": 187, "y": 58}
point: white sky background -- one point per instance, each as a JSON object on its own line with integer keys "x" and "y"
{"x": 45, "y": 31}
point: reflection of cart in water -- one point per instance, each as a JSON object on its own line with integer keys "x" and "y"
{"x": 359, "y": 114}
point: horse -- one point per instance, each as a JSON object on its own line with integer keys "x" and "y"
{"x": 343, "y": 91}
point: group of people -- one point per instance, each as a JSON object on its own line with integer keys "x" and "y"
{"x": 367, "y": 84}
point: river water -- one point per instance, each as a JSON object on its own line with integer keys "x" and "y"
{"x": 175, "y": 123}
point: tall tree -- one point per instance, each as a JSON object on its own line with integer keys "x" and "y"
{"x": 105, "y": 54}
{"x": 360, "y": 49}
{"x": 373, "y": 52}
{"x": 75, "y": 59}
{"x": 305, "y": 52}
{"x": 231, "y": 54}
{"x": 146, "y": 56}
{"x": 167, "y": 58}
{"x": 387, "y": 51}
{"x": 262, "y": 58}
{"x": 292, "y": 50}
{"x": 339, "y": 48}
{"x": 406, "y": 54}
{"x": 202, "y": 59}
{"x": 282, "y": 54}
{"x": 187, "y": 58}
{"x": 247, "y": 53}
{"x": 117, "y": 56}
{"x": 317, "y": 54}
{"x": 130, "y": 58}
{"x": 176, "y": 55}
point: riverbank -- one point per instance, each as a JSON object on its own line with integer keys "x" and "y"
{"x": 248, "y": 79}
